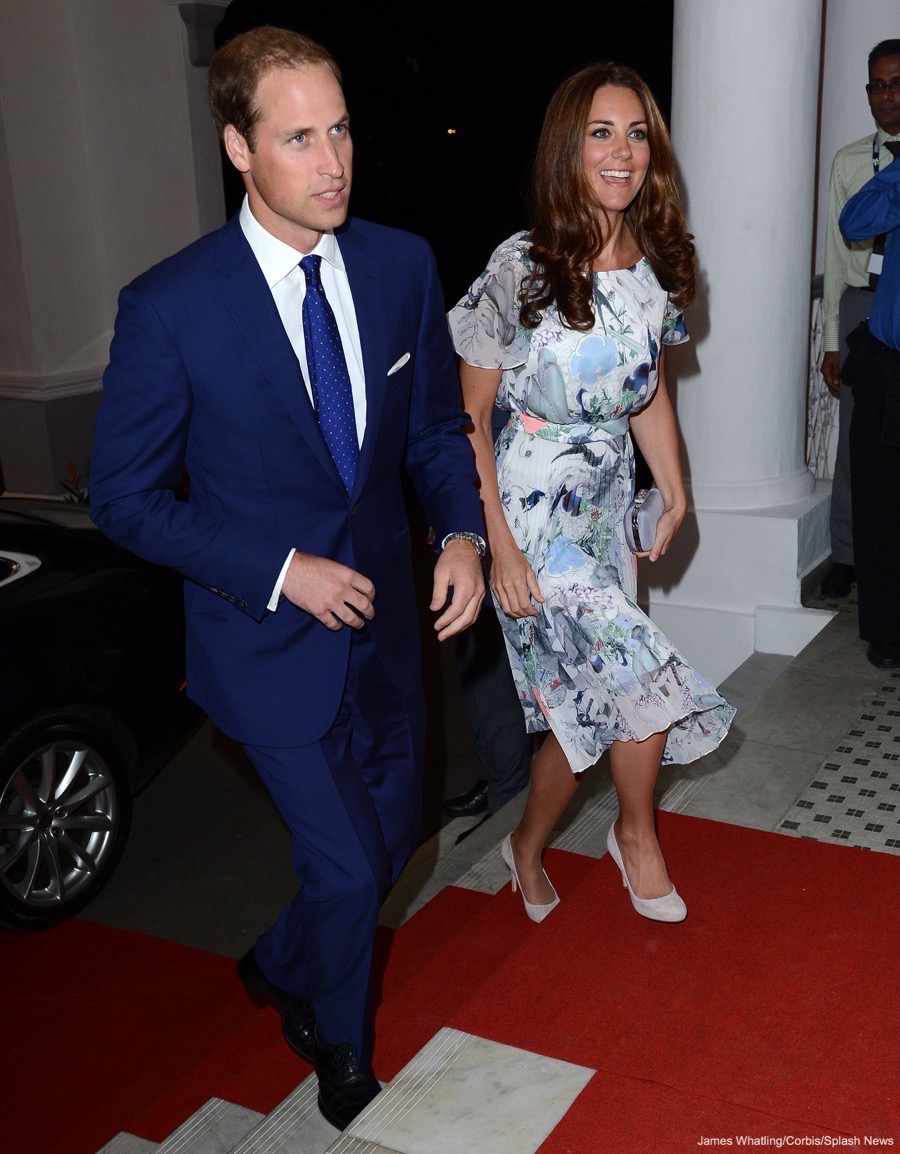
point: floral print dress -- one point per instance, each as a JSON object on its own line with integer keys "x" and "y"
{"x": 591, "y": 667}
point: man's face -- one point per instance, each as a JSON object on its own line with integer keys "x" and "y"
{"x": 298, "y": 175}
{"x": 886, "y": 105}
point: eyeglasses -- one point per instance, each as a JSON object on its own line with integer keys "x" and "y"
{"x": 878, "y": 87}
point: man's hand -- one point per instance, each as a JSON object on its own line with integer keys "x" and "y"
{"x": 459, "y": 568}
{"x": 331, "y": 592}
{"x": 831, "y": 372}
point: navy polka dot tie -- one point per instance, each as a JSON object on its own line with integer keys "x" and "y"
{"x": 330, "y": 381}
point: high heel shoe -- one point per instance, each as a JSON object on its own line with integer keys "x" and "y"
{"x": 537, "y": 913}
{"x": 669, "y": 908}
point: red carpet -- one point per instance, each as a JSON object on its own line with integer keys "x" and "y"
{"x": 770, "y": 1012}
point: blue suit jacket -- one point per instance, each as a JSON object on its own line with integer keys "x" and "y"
{"x": 203, "y": 380}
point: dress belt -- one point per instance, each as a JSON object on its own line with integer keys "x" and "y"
{"x": 576, "y": 432}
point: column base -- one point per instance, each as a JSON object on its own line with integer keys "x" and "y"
{"x": 46, "y": 432}
{"x": 731, "y": 584}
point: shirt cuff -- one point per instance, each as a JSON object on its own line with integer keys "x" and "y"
{"x": 276, "y": 592}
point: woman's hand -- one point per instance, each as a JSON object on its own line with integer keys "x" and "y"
{"x": 666, "y": 528}
{"x": 514, "y": 583}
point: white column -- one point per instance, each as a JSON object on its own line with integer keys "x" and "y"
{"x": 745, "y": 93}
{"x": 744, "y": 118}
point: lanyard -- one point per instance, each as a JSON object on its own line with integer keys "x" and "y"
{"x": 876, "y": 159}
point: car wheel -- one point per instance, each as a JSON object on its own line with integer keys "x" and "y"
{"x": 65, "y": 813}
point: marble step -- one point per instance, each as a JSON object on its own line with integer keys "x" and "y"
{"x": 295, "y": 1126}
{"x": 216, "y": 1128}
{"x": 129, "y": 1144}
{"x": 444, "y": 1099}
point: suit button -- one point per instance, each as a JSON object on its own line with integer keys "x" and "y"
{"x": 353, "y": 511}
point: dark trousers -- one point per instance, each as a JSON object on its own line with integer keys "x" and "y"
{"x": 353, "y": 805}
{"x": 875, "y": 478}
{"x": 492, "y": 706}
{"x": 854, "y": 307}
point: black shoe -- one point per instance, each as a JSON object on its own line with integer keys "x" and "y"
{"x": 469, "y": 804}
{"x": 344, "y": 1089}
{"x": 884, "y": 656}
{"x": 298, "y": 1020}
{"x": 838, "y": 580}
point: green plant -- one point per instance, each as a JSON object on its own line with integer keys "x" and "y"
{"x": 73, "y": 490}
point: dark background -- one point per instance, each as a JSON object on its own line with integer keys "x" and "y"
{"x": 411, "y": 73}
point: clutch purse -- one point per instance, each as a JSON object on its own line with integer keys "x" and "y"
{"x": 641, "y": 518}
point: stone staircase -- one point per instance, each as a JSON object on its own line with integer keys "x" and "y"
{"x": 442, "y": 1100}
{"x": 792, "y": 714}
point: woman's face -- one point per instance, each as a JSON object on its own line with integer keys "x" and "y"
{"x": 616, "y": 150}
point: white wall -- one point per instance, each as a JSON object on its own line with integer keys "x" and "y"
{"x": 109, "y": 161}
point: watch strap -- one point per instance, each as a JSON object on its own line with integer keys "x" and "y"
{"x": 473, "y": 538}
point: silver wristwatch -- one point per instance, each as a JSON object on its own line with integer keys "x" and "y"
{"x": 477, "y": 541}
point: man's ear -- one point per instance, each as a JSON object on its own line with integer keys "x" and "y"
{"x": 236, "y": 148}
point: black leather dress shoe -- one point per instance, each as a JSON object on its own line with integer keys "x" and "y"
{"x": 469, "y": 804}
{"x": 344, "y": 1089}
{"x": 298, "y": 1019}
{"x": 838, "y": 581}
{"x": 884, "y": 656}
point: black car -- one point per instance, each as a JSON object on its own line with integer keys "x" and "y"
{"x": 92, "y": 703}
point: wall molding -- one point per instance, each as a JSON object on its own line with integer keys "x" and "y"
{"x": 201, "y": 21}
{"x": 54, "y": 387}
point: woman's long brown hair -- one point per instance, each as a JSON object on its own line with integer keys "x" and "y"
{"x": 566, "y": 220}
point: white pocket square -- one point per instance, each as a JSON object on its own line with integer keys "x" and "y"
{"x": 399, "y": 364}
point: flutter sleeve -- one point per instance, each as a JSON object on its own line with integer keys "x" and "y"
{"x": 484, "y": 324}
{"x": 674, "y": 329}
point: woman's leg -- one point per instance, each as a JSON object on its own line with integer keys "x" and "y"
{"x": 553, "y": 786}
{"x": 635, "y": 767}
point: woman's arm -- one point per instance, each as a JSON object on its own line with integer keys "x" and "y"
{"x": 512, "y": 578}
{"x": 655, "y": 431}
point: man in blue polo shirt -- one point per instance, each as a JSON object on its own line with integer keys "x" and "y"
{"x": 875, "y": 427}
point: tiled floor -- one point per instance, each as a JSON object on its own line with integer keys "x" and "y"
{"x": 855, "y": 796}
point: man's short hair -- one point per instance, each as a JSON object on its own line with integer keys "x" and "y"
{"x": 239, "y": 65}
{"x": 885, "y": 48}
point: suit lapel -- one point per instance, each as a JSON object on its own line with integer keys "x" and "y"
{"x": 367, "y": 286}
{"x": 247, "y": 298}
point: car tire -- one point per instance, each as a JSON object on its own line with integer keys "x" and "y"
{"x": 65, "y": 815}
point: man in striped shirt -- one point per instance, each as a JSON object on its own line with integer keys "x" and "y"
{"x": 847, "y": 291}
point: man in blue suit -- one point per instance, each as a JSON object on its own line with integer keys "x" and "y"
{"x": 302, "y": 630}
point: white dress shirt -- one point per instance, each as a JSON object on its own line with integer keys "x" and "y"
{"x": 280, "y": 265}
{"x": 847, "y": 262}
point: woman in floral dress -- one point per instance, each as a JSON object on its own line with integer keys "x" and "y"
{"x": 566, "y": 329}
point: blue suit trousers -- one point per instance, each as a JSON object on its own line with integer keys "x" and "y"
{"x": 352, "y": 802}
